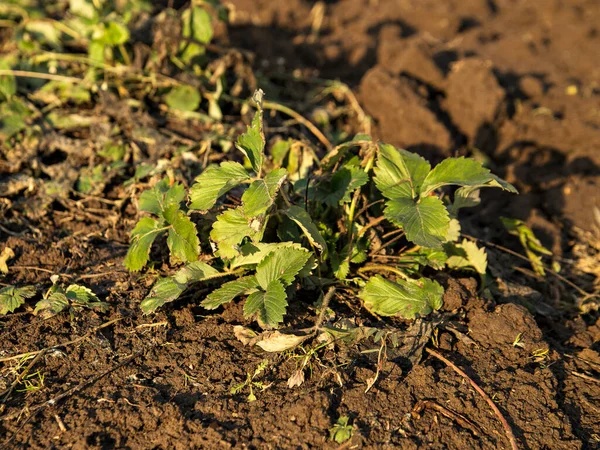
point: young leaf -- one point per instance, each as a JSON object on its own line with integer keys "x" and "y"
{"x": 83, "y": 296}
{"x": 53, "y": 302}
{"x": 303, "y": 220}
{"x": 252, "y": 143}
{"x": 11, "y": 297}
{"x": 403, "y": 298}
{"x": 197, "y": 24}
{"x": 270, "y": 305}
{"x": 399, "y": 174}
{"x": 344, "y": 181}
{"x": 164, "y": 290}
{"x": 229, "y": 291}
{"x": 281, "y": 264}
{"x": 529, "y": 241}
{"x": 464, "y": 197}
{"x": 231, "y": 228}
{"x": 161, "y": 197}
{"x": 425, "y": 222}
{"x": 262, "y": 193}
{"x": 253, "y": 253}
{"x": 214, "y": 182}
{"x": 183, "y": 98}
{"x": 466, "y": 254}
{"x": 182, "y": 239}
{"x": 142, "y": 237}
{"x": 461, "y": 171}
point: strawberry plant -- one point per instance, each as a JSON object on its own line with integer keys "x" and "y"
{"x": 55, "y": 300}
{"x": 300, "y": 228}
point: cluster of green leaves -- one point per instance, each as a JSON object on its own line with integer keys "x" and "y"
{"x": 55, "y": 300}
{"x": 270, "y": 240}
{"x": 82, "y": 45}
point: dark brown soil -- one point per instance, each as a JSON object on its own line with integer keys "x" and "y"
{"x": 514, "y": 81}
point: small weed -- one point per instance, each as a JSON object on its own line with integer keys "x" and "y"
{"x": 32, "y": 382}
{"x": 341, "y": 431}
{"x": 250, "y": 383}
{"x": 517, "y": 342}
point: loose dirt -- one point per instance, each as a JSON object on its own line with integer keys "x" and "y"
{"x": 514, "y": 82}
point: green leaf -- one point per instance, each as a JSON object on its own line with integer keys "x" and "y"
{"x": 460, "y": 171}
{"x": 466, "y": 254}
{"x": 83, "y": 8}
{"x": 399, "y": 174}
{"x": 197, "y": 24}
{"x": 84, "y": 297}
{"x": 196, "y": 271}
{"x": 165, "y": 290}
{"x": 161, "y": 197}
{"x": 229, "y": 291}
{"x": 253, "y": 253}
{"x": 343, "y": 183}
{"x": 142, "y": 237}
{"x": 269, "y": 305}
{"x": 12, "y": 117}
{"x": 252, "y": 143}
{"x": 465, "y": 197}
{"x": 404, "y": 298}
{"x": 529, "y": 241}
{"x": 8, "y": 83}
{"x": 262, "y": 193}
{"x": 231, "y": 228}
{"x": 303, "y": 220}
{"x": 214, "y": 182}
{"x": 279, "y": 151}
{"x": 426, "y": 222}
{"x": 53, "y": 303}
{"x": 282, "y": 264}
{"x": 183, "y": 98}
{"x": 182, "y": 239}
{"x": 115, "y": 33}
{"x": 12, "y": 297}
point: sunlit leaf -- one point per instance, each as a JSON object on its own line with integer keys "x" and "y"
{"x": 214, "y": 182}
{"x": 12, "y": 297}
{"x": 252, "y": 143}
{"x": 282, "y": 264}
{"x": 142, "y": 237}
{"x": 262, "y": 193}
{"x": 425, "y": 222}
{"x": 230, "y": 290}
{"x": 268, "y": 305}
{"x": 403, "y": 298}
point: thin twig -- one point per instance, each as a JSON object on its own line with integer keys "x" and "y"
{"x": 299, "y": 118}
{"x": 507, "y": 429}
{"x": 39, "y": 75}
{"x": 324, "y": 305}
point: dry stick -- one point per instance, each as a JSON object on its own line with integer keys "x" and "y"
{"x": 64, "y": 344}
{"x": 507, "y": 429}
{"x": 290, "y": 112}
{"x": 324, "y": 305}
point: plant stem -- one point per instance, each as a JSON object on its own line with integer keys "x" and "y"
{"x": 383, "y": 267}
{"x": 290, "y": 112}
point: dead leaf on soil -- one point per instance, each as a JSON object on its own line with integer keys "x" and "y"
{"x": 269, "y": 341}
{"x": 7, "y": 254}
